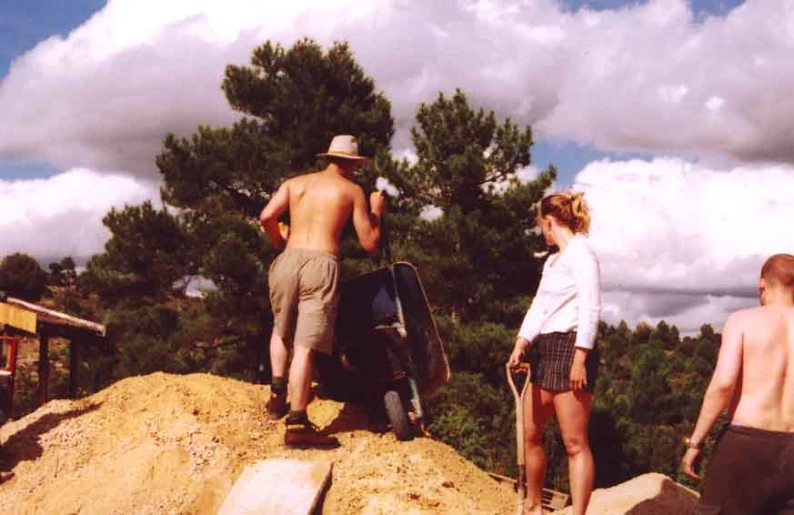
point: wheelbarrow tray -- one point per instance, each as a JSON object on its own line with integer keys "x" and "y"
{"x": 372, "y": 308}
{"x": 427, "y": 349}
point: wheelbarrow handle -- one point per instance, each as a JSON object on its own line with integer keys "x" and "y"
{"x": 385, "y": 242}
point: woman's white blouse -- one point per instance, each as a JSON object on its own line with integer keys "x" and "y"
{"x": 569, "y": 295}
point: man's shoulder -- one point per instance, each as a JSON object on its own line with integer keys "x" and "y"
{"x": 350, "y": 186}
{"x": 744, "y": 313}
{"x": 757, "y": 311}
{"x": 747, "y": 317}
{"x": 302, "y": 177}
{"x": 345, "y": 185}
{"x": 329, "y": 183}
{"x": 293, "y": 180}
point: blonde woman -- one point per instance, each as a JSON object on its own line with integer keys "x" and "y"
{"x": 558, "y": 338}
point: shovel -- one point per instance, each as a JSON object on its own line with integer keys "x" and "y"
{"x": 517, "y": 375}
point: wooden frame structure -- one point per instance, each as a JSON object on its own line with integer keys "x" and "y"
{"x": 8, "y": 362}
{"x": 22, "y": 318}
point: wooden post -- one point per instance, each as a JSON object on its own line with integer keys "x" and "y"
{"x": 72, "y": 368}
{"x": 44, "y": 368}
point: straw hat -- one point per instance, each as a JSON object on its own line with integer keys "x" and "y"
{"x": 344, "y": 146}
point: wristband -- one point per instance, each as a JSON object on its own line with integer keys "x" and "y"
{"x": 692, "y": 444}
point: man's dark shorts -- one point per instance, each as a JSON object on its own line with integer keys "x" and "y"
{"x": 751, "y": 473}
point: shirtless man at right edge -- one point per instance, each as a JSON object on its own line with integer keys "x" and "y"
{"x": 752, "y": 468}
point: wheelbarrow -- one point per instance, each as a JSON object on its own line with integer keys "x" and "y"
{"x": 387, "y": 347}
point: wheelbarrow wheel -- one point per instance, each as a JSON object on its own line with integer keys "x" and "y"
{"x": 398, "y": 418}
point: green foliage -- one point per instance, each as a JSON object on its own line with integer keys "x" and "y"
{"x": 22, "y": 276}
{"x": 470, "y": 414}
{"x": 649, "y": 390}
{"x": 145, "y": 258}
{"x": 146, "y": 339}
{"x": 467, "y": 166}
{"x": 63, "y": 273}
{"x": 463, "y": 154}
{"x": 26, "y": 389}
{"x": 178, "y": 338}
{"x": 230, "y": 250}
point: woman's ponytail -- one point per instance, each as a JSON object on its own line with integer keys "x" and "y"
{"x": 579, "y": 212}
{"x": 569, "y": 209}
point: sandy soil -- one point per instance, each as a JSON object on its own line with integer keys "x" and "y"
{"x": 176, "y": 444}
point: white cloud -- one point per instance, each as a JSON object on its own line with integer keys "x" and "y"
{"x": 688, "y": 312}
{"x": 528, "y": 173}
{"x": 62, "y": 216}
{"x": 682, "y": 242}
{"x": 715, "y": 103}
{"x": 632, "y": 78}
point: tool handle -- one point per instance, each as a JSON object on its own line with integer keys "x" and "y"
{"x": 523, "y": 369}
{"x": 384, "y": 239}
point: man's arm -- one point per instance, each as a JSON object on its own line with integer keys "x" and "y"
{"x": 720, "y": 390}
{"x": 268, "y": 218}
{"x": 366, "y": 221}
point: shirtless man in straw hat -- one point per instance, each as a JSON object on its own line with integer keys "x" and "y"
{"x": 752, "y": 468}
{"x": 304, "y": 278}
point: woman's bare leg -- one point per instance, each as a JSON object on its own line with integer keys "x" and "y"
{"x": 538, "y": 408}
{"x": 573, "y": 414}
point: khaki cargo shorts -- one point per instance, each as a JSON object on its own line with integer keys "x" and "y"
{"x": 304, "y": 295}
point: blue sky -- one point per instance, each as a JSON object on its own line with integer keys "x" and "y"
{"x": 701, "y": 7}
{"x": 24, "y": 23}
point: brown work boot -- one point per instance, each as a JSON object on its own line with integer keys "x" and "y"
{"x": 301, "y": 433}
{"x": 277, "y": 406}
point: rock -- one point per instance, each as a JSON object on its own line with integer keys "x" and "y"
{"x": 649, "y": 494}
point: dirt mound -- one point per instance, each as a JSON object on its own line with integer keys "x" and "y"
{"x": 649, "y": 494}
{"x": 176, "y": 444}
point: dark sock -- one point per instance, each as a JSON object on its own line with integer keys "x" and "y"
{"x": 278, "y": 386}
{"x": 297, "y": 417}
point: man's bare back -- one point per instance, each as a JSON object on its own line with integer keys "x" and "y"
{"x": 320, "y": 204}
{"x": 764, "y": 397}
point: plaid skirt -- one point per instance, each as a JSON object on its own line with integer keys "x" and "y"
{"x": 551, "y": 357}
